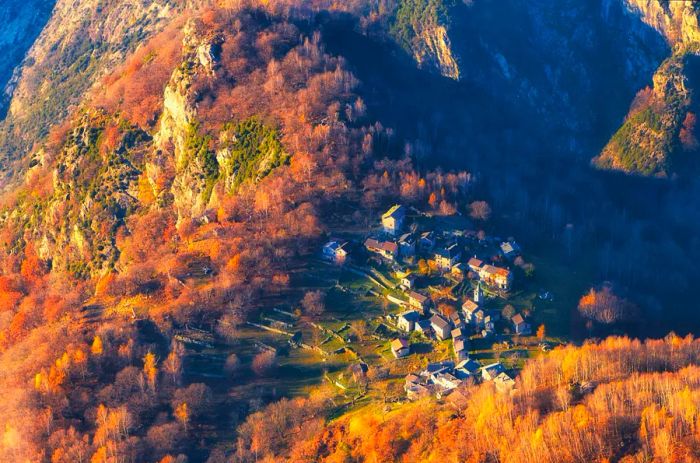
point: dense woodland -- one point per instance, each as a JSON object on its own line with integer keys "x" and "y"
{"x": 617, "y": 400}
{"x": 128, "y": 226}
{"x": 90, "y": 371}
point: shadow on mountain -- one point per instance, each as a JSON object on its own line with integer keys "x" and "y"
{"x": 528, "y": 115}
{"x": 22, "y": 22}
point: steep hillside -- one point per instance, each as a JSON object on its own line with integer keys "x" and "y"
{"x": 538, "y": 66}
{"x": 533, "y": 77}
{"x": 179, "y": 197}
{"x": 22, "y": 23}
{"x": 658, "y": 136}
{"x": 175, "y": 167}
{"x": 80, "y": 41}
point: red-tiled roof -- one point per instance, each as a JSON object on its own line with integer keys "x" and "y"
{"x": 418, "y": 296}
{"x": 387, "y": 246}
{"x": 493, "y": 270}
{"x": 470, "y": 305}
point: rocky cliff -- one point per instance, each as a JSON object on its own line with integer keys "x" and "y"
{"x": 177, "y": 138}
{"x": 81, "y": 41}
{"x": 436, "y": 52}
{"x": 656, "y": 137}
{"x": 558, "y": 63}
{"x": 557, "y": 76}
{"x": 676, "y": 20}
{"x": 422, "y": 28}
{"x": 560, "y": 74}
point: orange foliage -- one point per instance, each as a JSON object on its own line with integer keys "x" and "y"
{"x": 32, "y": 267}
{"x": 104, "y": 283}
{"x": 136, "y": 89}
{"x": 110, "y": 139}
{"x": 96, "y": 348}
{"x": 209, "y": 271}
{"x": 18, "y": 325}
{"x": 647, "y": 392}
{"x": 150, "y": 369}
{"x": 182, "y": 414}
{"x": 604, "y": 306}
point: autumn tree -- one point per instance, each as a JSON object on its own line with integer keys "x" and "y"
{"x": 32, "y": 267}
{"x": 264, "y": 363}
{"x": 166, "y": 436}
{"x": 191, "y": 402}
{"x": 150, "y": 369}
{"x": 446, "y": 208}
{"x": 172, "y": 365}
{"x": 432, "y": 200}
{"x": 10, "y": 293}
{"x": 446, "y": 309}
{"x": 480, "y": 210}
{"x": 604, "y": 306}
{"x": 313, "y": 303}
{"x": 182, "y": 414}
{"x": 96, "y": 348}
{"x": 541, "y": 333}
{"x": 423, "y": 267}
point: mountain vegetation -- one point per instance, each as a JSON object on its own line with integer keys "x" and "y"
{"x": 617, "y": 400}
{"x": 171, "y": 170}
{"x": 179, "y": 194}
{"x": 421, "y": 28}
{"x": 656, "y": 136}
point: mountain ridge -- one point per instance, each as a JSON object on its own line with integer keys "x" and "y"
{"x": 665, "y": 148}
{"x": 177, "y": 167}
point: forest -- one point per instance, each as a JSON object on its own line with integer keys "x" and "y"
{"x": 616, "y": 400}
{"x": 203, "y": 161}
{"x": 105, "y": 258}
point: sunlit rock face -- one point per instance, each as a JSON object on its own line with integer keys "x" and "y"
{"x": 657, "y": 136}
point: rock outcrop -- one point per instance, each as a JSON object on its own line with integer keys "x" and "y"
{"x": 177, "y": 140}
{"x": 81, "y": 41}
{"x": 93, "y": 190}
{"x": 648, "y": 142}
{"x": 676, "y": 20}
{"x": 437, "y": 52}
{"x": 552, "y": 75}
{"x": 422, "y": 28}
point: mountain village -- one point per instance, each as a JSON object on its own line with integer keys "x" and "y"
{"x": 446, "y": 282}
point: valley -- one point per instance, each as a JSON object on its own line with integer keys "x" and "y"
{"x": 315, "y": 231}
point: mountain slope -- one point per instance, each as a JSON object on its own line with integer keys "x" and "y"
{"x": 179, "y": 165}
{"x": 177, "y": 198}
{"x": 658, "y": 134}
{"x": 556, "y": 77}
{"x": 22, "y": 22}
{"x": 79, "y": 43}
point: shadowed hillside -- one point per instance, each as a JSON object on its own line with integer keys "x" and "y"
{"x": 196, "y": 264}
